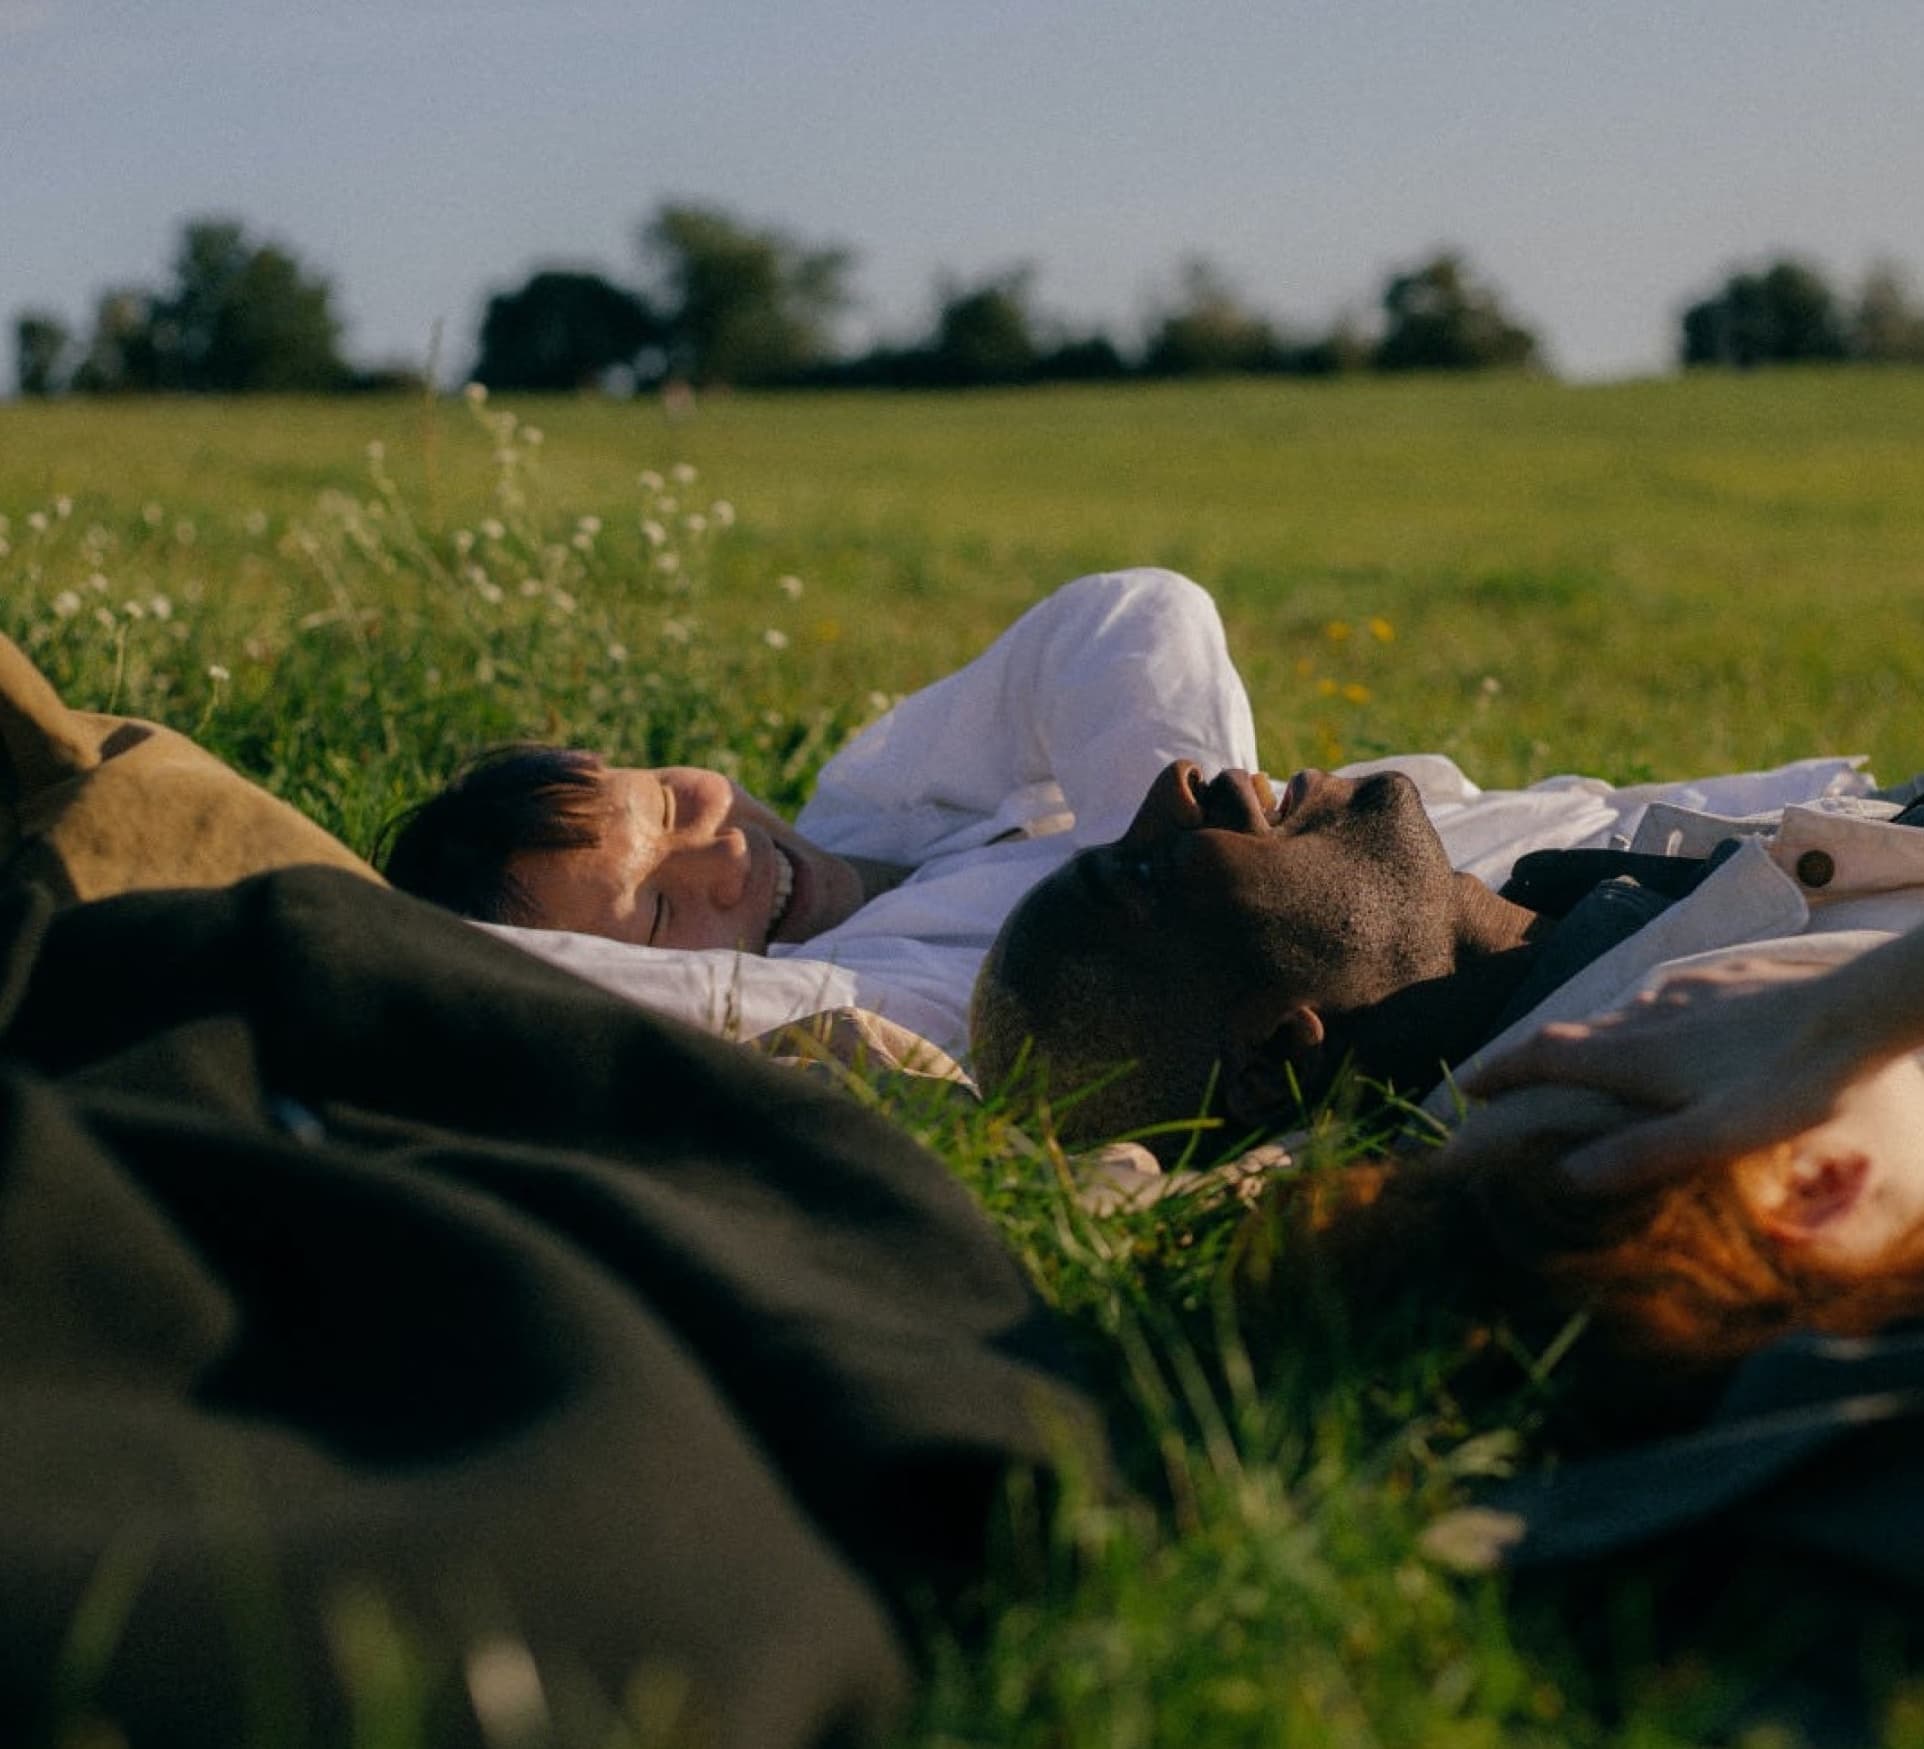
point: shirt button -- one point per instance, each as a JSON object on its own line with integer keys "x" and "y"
{"x": 1815, "y": 868}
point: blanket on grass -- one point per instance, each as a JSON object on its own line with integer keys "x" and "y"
{"x": 352, "y": 1260}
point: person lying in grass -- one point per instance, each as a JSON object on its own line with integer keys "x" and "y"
{"x": 1735, "y": 1154}
{"x": 673, "y": 887}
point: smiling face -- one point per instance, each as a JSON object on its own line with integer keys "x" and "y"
{"x": 683, "y": 858}
{"x": 1223, "y": 928}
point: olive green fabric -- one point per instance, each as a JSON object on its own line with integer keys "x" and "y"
{"x": 95, "y": 805}
{"x": 346, "y": 1251}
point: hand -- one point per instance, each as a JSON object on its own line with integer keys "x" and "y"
{"x": 1716, "y": 1063}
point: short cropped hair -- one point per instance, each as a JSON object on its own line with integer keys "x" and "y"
{"x": 456, "y": 849}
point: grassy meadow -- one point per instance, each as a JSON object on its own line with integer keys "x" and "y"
{"x": 1642, "y": 580}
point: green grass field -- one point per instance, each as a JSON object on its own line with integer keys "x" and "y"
{"x": 1640, "y": 581}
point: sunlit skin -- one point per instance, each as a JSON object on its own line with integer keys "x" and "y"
{"x": 686, "y": 859}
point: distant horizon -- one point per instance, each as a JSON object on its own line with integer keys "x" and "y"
{"x": 1600, "y": 171}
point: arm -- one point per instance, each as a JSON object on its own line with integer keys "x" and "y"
{"x": 1718, "y": 1062}
{"x": 1077, "y": 705}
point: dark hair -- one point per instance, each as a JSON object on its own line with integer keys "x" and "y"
{"x": 454, "y": 849}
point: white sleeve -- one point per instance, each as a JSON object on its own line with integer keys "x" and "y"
{"x": 1075, "y": 707}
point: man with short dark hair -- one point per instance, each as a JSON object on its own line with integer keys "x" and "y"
{"x": 1233, "y": 949}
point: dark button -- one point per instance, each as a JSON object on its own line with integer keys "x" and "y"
{"x": 1815, "y": 868}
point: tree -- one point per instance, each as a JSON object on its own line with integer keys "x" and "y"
{"x": 984, "y": 333}
{"x": 1785, "y": 314}
{"x": 563, "y": 331}
{"x": 41, "y": 345}
{"x": 1437, "y": 317}
{"x": 1887, "y": 326}
{"x": 1211, "y": 331}
{"x": 741, "y": 305}
{"x": 120, "y": 357}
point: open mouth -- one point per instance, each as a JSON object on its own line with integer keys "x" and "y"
{"x": 1278, "y": 808}
{"x": 784, "y": 889}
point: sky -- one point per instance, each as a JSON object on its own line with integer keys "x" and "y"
{"x": 1600, "y": 161}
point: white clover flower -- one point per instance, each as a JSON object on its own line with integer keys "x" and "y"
{"x": 491, "y": 527}
{"x": 723, "y": 512}
{"x": 98, "y": 583}
{"x": 477, "y": 394}
{"x": 133, "y": 609}
{"x": 464, "y": 541}
{"x": 255, "y": 523}
{"x": 695, "y": 522}
{"x": 160, "y": 607}
{"x": 790, "y": 586}
{"x": 677, "y": 631}
{"x": 218, "y": 674}
{"x": 63, "y": 508}
{"x": 878, "y": 702}
{"x": 775, "y": 638}
{"x": 530, "y": 587}
{"x": 377, "y": 452}
{"x": 668, "y": 506}
{"x": 668, "y": 563}
{"x": 617, "y": 653}
{"x": 104, "y": 618}
{"x": 653, "y": 532}
{"x": 66, "y": 604}
{"x": 532, "y": 435}
{"x": 184, "y": 532}
{"x": 564, "y": 602}
{"x": 589, "y": 525}
{"x": 492, "y": 593}
{"x": 505, "y": 458}
{"x": 682, "y": 474}
{"x": 648, "y": 480}
{"x": 151, "y": 513}
{"x": 37, "y": 521}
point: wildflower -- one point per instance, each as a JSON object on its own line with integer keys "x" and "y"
{"x": 160, "y": 607}
{"x": 588, "y": 525}
{"x": 218, "y": 674}
{"x": 66, "y": 604}
{"x": 775, "y": 638}
{"x": 255, "y": 522}
{"x": 668, "y": 563}
{"x": 184, "y": 532}
{"x": 827, "y": 630}
{"x": 653, "y": 532}
{"x": 492, "y": 528}
{"x": 531, "y": 435}
{"x": 677, "y": 631}
{"x": 104, "y": 617}
{"x": 133, "y": 610}
{"x": 377, "y": 452}
{"x": 695, "y": 522}
{"x": 582, "y": 543}
{"x": 723, "y": 512}
{"x": 617, "y": 653}
{"x": 464, "y": 541}
{"x": 37, "y": 521}
{"x": 1305, "y": 667}
{"x": 63, "y": 508}
{"x": 682, "y": 474}
{"x": 668, "y": 506}
{"x": 484, "y": 671}
{"x": 477, "y": 394}
{"x": 1490, "y": 686}
{"x": 563, "y": 601}
{"x": 648, "y": 480}
{"x": 790, "y": 586}
{"x": 1356, "y": 692}
{"x": 151, "y": 513}
{"x": 1336, "y": 631}
{"x": 98, "y": 583}
{"x": 878, "y": 702}
{"x": 530, "y": 587}
{"x": 1381, "y": 629}
{"x": 492, "y": 593}
{"x": 1326, "y": 687}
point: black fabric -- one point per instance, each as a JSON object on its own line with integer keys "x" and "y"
{"x": 347, "y": 1251}
{"x": 1553, "y": 882}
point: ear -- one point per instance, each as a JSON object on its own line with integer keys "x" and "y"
{"x": 1816, "y": 1187}
{"x": 1270, "y": 1054}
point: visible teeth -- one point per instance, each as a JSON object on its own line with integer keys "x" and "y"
{"x": 784, "y": 889}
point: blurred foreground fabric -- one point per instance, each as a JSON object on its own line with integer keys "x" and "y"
{"x": 351, "y": 1259}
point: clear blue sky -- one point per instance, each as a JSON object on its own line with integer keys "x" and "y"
{"x": 1600, "y": 162}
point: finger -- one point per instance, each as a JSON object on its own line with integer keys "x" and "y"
{"x": 1643, "y": 1155}
{"x": 1540, "y": 1122}
{"x": 1536, "y": 1059}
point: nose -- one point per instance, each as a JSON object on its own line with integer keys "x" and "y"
{"x": 1173, "y": 804}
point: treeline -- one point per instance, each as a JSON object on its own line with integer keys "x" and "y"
{"x": 717, "y": 301}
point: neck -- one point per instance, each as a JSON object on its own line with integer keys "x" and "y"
{"x": 877, "y": 878}
{"x": 1408, "y": 1037}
